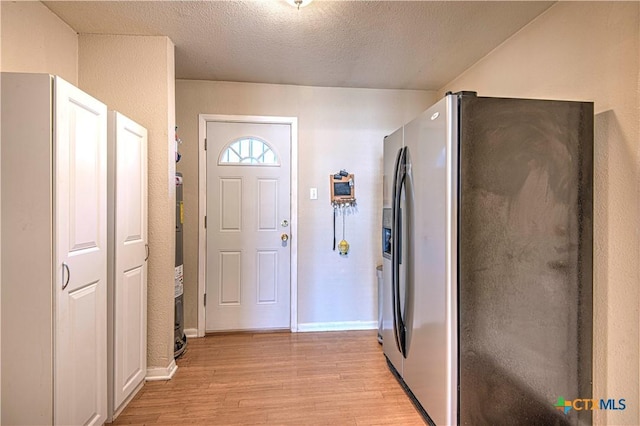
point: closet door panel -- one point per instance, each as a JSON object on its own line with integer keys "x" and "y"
{"x": 80, "y": 195}
{"x": 129, "y": 141}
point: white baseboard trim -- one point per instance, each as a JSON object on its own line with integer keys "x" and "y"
{"x": 191, "y": 332}
{"x": 159, "y": 373}
{"x": 337, "y": 326}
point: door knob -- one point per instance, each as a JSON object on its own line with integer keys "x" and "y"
{"x": 284, "y": 237}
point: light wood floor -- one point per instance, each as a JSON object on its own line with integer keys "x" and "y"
{"x": 337, "y": 378}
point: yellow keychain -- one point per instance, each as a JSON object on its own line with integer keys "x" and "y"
{"x": 343, "y": 245}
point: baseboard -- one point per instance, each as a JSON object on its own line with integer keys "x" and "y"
{"x": 159, "y": 373}
{"x": 338, "y": 326}
{"x": 191, "y": 332}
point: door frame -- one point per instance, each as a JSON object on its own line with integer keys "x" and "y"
{"x": 203, "y": 119}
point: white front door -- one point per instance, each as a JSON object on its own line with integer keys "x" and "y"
{"x": 80, "y": 210}
{"x": 128, "y": 146}
{"x": 248, "y": 215}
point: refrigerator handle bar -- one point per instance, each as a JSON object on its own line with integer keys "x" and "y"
{"x": 394, "y": 248}
{"x": 402, "y": 327}
{"x": 399, "y": 180}
{"x": 405, "y": 232}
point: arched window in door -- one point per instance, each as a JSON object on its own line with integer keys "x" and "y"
{"x": 247, "y": 151}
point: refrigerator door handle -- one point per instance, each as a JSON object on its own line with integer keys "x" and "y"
{"x": 399, "y": 179}
{"x": 394, "y": 251}
{"x": 402, "y": 258}
{"x": 405, "y": 232}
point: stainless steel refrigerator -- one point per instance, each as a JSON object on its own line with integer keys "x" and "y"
{"x": 487, "y": 246}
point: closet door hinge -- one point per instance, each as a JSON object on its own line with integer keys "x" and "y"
{"x": 205, "y": 299}
{"x": 205, "y": 222}
{"x": 205, "y": 144}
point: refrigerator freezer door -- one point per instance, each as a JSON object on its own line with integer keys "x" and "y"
{"x": 429, "y": 368}
{"x": 392, "y": 144}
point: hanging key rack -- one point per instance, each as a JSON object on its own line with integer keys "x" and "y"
{"x": 343, "y": 200}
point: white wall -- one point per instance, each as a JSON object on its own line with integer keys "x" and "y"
{"x": 35, "y": 40}
{"x": 338, "y": 128}
{"x": 135, "y": 76}
{"x": 591, "y": 51}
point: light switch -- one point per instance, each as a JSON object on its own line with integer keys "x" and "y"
{"x": 313, "y": 193}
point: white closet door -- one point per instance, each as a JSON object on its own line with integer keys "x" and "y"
{"x": 130, "y": 276}
{"x": 80, "y": 275}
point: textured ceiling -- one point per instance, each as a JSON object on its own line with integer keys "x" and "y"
{"x": 374, "y": 44}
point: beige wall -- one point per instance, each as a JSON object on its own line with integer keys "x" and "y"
{"x": 135, "y": 76}
{"x": 591, "y": 51}
{"x": 573, "y": 51}
{"x": 338, "y": 128}
{"x": 36, "y": 40}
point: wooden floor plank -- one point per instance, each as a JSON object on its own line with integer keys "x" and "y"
{"x": 332, "y": 378}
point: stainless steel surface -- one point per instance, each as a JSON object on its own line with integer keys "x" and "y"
{"x": 426, "y": 370}
{"x": 492, "y": 242}
{"x": 392, "y": 144}
{"x": 451, "y": 255}
{"x": 380, "y": 283}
